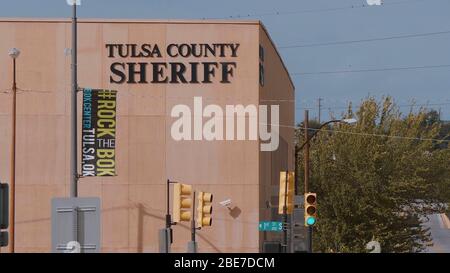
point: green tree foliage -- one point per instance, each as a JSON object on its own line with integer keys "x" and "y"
{"x": 372, "y": 184}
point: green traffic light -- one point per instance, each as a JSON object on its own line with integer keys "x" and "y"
{"x": 310, "y": 221}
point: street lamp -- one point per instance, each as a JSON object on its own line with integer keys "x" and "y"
{"x": 305, "y": 145}
{"x": 14, "y": 54}
{"x": 349, "y": 121}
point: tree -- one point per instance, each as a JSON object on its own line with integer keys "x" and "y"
{"x": 378, "y": 180}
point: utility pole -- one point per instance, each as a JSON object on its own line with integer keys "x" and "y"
{"x": 306, "y": 150}
{"x": 296, "y": 178}
{"x": 306, "y": 162}
{"x": 73, "y": 135}
{"x": 320, "y": 108}
{"x": 192, "y": 245}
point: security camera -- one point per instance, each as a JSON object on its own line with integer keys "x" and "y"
{"x": 225, "y": 203}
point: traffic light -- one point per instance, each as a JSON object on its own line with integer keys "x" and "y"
{"x": 310, "y": 209}
{"x": 182, "y": 202}
{"x": 286, "y": 195}
{"x": 4, "y": 213}
{"x": 204, "y": 209}
{"x": 4, "y": 206}
{"x": 4, "y": 238}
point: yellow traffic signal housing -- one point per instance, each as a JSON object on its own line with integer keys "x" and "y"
{"x": 286, "y": 195}
{"x": 310, "y": 209}
{"x": 204, "y": 209}
{"x": 182, "y": 202}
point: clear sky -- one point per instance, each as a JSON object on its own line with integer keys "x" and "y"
{"x": 302, "y": 22}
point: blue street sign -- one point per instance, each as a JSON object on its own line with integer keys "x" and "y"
{"x": 270, "y": 226}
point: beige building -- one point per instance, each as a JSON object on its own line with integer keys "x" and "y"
{"x": 223, "y": 62}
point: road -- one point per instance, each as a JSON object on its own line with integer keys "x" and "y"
{"x": 440, "y": 231}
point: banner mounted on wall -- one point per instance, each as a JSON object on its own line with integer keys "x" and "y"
{"x": 98, "y": 147}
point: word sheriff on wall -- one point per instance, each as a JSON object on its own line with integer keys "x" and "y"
{"x": 177, "y": 63}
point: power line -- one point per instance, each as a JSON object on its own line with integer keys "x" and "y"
{"x": 357, "y": 106}
{"x": 364, "y": 134}
{"x": 277, "y": 13}
{"x": 367, "y": 40}
{"x": 381, "y": 135}
{"x": 371, "y": 70}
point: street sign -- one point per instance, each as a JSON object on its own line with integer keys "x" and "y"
{"x": 76, "y": 225}
{"x": 270, "y": 226}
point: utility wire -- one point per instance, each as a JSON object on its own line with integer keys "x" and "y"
{"x": 371, "y": 70}
{"x": 277, "y": 13}
{"x": 357, "y": 106}
{"x": 367, "y": 40}
{"x": 364, "y": 134}
{"x": 381, "y": 135}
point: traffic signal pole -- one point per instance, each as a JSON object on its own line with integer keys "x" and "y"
{"x": 192, "y": 245}
{"x": 306, "y": 165}
{"x": 193, "y": 229}
{"x": 165, "y": 234}
{"x": 168, "y": 218}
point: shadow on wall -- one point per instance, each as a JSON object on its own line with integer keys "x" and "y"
{"x": 235, "y": 212}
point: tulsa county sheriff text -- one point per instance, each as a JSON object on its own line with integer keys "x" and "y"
{"x": 225, "y": 263}
{"x": 206, "y": 70}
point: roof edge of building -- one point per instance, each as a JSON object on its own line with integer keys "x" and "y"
{"x": 278, "y": 53}
{"x": 116, "y": 20}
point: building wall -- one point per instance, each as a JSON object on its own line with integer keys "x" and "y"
{"x": 277, "y": 89}
{"x": 133, "y": 202}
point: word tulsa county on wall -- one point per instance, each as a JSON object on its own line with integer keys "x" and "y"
{"x": 206, "y": 70}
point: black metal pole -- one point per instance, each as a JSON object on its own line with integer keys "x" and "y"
{"x": 167, "y": 236}
{"x": 193, "y": 228}
{"x": 310, "y": 234}
{"x": 168, "y": 218}
{"x": 74, "y": 128}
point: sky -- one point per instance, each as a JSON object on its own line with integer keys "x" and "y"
{"x": 307, "y": 23}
